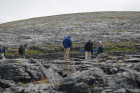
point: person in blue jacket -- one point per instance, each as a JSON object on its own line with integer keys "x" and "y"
{"x": 3, "y": 52}
{"x": 67, "y": 43}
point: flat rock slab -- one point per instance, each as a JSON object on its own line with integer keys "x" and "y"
{"x": 133, "y": 60}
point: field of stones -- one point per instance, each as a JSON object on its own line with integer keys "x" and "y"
{"x": 118, "y": 71}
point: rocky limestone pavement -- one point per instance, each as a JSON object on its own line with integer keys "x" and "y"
{"x": 108, "y": 27}
{"x": 112, "y": 74}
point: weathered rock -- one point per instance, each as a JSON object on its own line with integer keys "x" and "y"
{"x": 53, "y": 76}
{"x": 114, "y": 70}
{"x": 133, "y": 60}
{"x": 30, "y": 88}
{"x": 120, "y": 81}
{"x": 81, "y": 88}
{"x": 96, "y": 90}
{"x": 13, "y": 72}
{"x": 88, "y": 80}
{"x": 122, "y": 90}
{"x": 34, "y": 74}
{"x": 6, "y": 83}
{"x": 67, "y": 85}
{"x": 1, "y": 90}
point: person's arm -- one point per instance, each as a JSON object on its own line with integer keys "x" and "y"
{"x": 63, "y": 42}
{"x": 85, "y": 47}
{"x": 102, "y": 47}
{"x": 98, "y": 51}
{"x": 92, "y": 49}
{"x": 23, "y": 49}
{"x": 70, "y": 42}
{"x": 4, "y": 52}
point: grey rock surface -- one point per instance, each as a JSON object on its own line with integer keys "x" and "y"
{"x": 6, "y": 83}
{"x": 116, "y": 72}
{"x": 104, "y": 26}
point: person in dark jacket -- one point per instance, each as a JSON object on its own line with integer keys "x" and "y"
{"x": 22, "y": 51}
{"x": 88, "y": 49}
{"x": 3, "y": 52}
{"x": 67, "y": 43}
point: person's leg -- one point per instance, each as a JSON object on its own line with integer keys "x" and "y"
{"x": 67, "y": 53}
{"x": 99, "y": 56}
{"x": 23, "y": 56}
{"x": 20, "y": 56}
{"x": 86, "y": 55}
{"x": 89, "y": 55}
{"x": 64, "y": 53}
{"x": 2, "y": 54}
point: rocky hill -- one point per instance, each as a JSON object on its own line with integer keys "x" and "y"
{"x": 117, "y": 71}
{"x": 119, "y": 31}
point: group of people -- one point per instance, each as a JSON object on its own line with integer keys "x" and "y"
{"x": 21, "y": 51}
{"x": 89, "y": 49}
{"x": 67, "y": 43}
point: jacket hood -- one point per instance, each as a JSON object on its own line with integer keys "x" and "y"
{"x": 68, "y": 36}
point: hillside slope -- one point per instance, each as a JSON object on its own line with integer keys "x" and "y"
{"x": 114, "y": 29}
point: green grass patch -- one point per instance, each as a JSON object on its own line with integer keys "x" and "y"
{"x": 23, "y": 84}
{"x": 29, "y": 52}
{"x": 11, "y": 53}
{"x": 59, "y": 47}
{"x": 114, "y": 46}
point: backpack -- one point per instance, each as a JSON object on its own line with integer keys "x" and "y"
{"x": 20, "y": 49}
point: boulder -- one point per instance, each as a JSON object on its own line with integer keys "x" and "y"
{"x": 6, "y": 83}
{"x": 67, "y": 85}
{"x": 132, "y": 60}
{"x": 53, "y": 76}
{"x": 1, "y": 90}
{"x": 13, "y": 72}
{"x": 81, "y": 88}
{"x": 120, "y": 81}
{"x": 31, "y": 88}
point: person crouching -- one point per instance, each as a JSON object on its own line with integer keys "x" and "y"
{"x": 3, "y": 52}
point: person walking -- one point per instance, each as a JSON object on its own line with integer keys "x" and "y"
{"x": 67, "y": 43}
{"x": 88, "y": 49}
{"x": 101, "y": 49}
{"x": 3, "y": 52}
{"x": 22, "y": 51}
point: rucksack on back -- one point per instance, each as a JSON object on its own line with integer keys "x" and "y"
{"x": 20, "y": 49}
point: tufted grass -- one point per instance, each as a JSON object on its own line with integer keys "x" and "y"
{"x": 57, "y": 84}
{"x": 29, "y": 52}
{"x": 44, "y": 81}
{"x": 51, "y": 47}
{"x": 23, "y": 84}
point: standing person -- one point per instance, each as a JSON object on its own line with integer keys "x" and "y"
{"x": 3, "y": 52}
{"x": 88, "y": 49}
{"x": 67, "y": 42}
{"x": 101, "y": 49}
{"x": 22, "y": 51}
